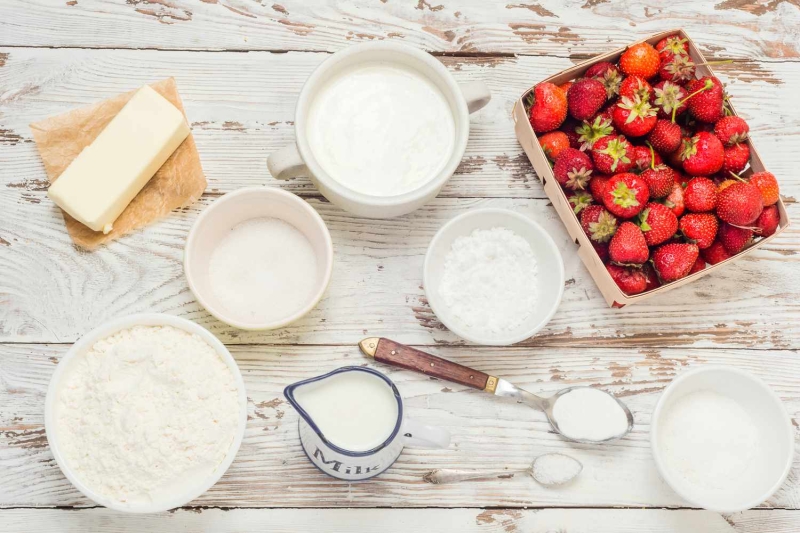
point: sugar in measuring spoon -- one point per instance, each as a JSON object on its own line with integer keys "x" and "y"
{"x": 579, "y": 414}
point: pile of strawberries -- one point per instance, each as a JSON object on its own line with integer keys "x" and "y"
{"x": 650, "y": 158}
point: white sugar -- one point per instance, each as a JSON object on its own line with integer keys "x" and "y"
{"x": 589, "y": 414}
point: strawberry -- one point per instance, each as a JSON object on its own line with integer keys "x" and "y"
{"x": 565, "y": 86}
{"x": 675, "y": 200}
{"x": 573, "y": 169}
{"x": 698, "y": 265}
{"x": 736, "y": 158}
{"x": 589, "y": 133}
{"x": 608, "y": 74}
{"x": 677, "y": 68}
{"x": 660, "y": 180}
{"x": 733, "y": 238}
{"x": 669, "y": 97}
{"x": 641, "y": 59}
{"x": 634, "y": 117}
{"x": 652, "y": 278}
{"x": 600, "y": 68}
{"x": 702, "y": 155}
{"x": 612, "y": 154}
{"x": 731, "y": 130}
{"x": 699, "y": 228}
{"x": 628, "y": 245}
{"x": 598, "y": 224}
{"x": 707, "y": 98}
{"x": 585, "y": 98}
{"x": 597, "y": 186}
{"x": 700, "y": 195}
{"x": 579, "y": 200}
{"x": 665, "y": 136}
{"x": 724, "y": 185}
{"x": 674, "y": 260}
{"x": 601, "y": 249}
{"x": 715, "y": 253}
{"x": 644, "y": 158}
{"x": 768, "y": 185}
{"x": 674, "y": 44}
{"x": 548, "y": 107}
{"x": 569, "y": 128}
{"x": 553, "y": 144}
{"x": 630, "y": 280}
{"x": 626, "y": 195}
{"x": 768, "y": 221}
{"x": 740, "y": 204}
{"x": 634, "y": 86}
{"x": 658, "y": 223}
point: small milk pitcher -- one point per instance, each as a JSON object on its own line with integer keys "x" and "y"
{"x": 345, "y": 417}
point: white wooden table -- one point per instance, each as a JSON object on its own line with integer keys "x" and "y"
{"x": 239, "y": 65}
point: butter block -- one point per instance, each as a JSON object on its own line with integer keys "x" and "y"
{"x": 100, "y": 183}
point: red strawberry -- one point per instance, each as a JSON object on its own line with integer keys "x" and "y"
{"x": 644, "y": 158}
{"x": 724, "y": 185}
{"x": 708, "y": 104}
{"x": 700, "y": 228}
{"x": 565, "y": 86}
{"x": 668, "y": 97}
{"x": 630, "y": 280}
{"x": 768, "y": 185}
{"x": 612, "y": 154}
{"x": 579, "y": 200}
{"x": 634, "y": 117}
{"x": 597, "y": 186}
{"x": 698, "y": 265}
{"x": 768, "y": 221}
{"x": 573, "y": 169}
{"x": 731, "y": 130}
{"x": 569, "y": 127}
{"x": 733, "y": 238}
{"x": 553, "y": 144}
{"x": 589, "y": 133}
{"x": 628, "y": 245}
{"x": 736, "y": 158}
{"x": 675, "y": 200}
{"x": 674, "y": 44}
{"x": 740, "y": 204}
{"x": 702, "y": 155}
{"x": 674, "y": 260}
{"x": 634, "y": 86}
{"x": 598, "y": 224}
{"x": 677, "y": 68}
{"x": 598, "y": 69}
{"x": 660, "y": 180}
{"x": 608, "y": 74}
{"x": 665, "y": 136}
{"x": 548, "y": 107}
{"x": 658, "y": 223}
{"x": 652, "y": 278}
{"x": 641, "y": 59}
{"x": 715, "y": 253}
{"x": 700, "y": 195}
{"x": 585, "y": 98}
{"x": 626, "y": 195}
{"x": 601, "y": 249}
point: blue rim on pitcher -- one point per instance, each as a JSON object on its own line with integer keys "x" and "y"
{"x": 288, "y": 392}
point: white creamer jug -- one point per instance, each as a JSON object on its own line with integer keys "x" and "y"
{"x": 352, "y": 423}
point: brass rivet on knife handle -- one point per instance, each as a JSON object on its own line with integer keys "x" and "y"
{"x": 369, "y": 346}
{"x": 491, "y": 385}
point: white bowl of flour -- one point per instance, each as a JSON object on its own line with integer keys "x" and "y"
{"x": 145, "y": 413}
{"x": 722, "y": 439}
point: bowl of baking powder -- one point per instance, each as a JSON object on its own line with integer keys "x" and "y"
{"x": 145, "y": 413}
{"x": 722, "y": 439}
{"x": 493, "y": 276}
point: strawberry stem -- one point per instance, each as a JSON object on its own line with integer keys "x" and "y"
{"x": 705, "y": 87}
{"x": 652, "y": 155}
{"x": 737, "y": 176}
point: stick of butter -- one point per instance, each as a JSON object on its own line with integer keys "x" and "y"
{"x": 100, "y": 183}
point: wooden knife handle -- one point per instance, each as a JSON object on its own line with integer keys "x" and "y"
{"x": 396, "y": 354}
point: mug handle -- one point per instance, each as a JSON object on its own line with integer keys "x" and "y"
{"x": 477, "y": 95}
{"x": 286, "y": 163}
{"x": 419, "y": 435}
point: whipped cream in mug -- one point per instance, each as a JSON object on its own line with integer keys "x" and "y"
{"x": 381, "y": 129}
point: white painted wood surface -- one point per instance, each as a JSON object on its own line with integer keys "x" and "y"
{"x": 55, "y": 55}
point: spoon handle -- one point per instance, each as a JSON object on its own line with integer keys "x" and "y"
{"x": 446, "y": 475}
{"x": 396, "y": 354}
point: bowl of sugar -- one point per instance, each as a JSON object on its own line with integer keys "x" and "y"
{"x": 493, "y": 276}
{"x": 722, "y": 439}
{"x": 258, "y": 258}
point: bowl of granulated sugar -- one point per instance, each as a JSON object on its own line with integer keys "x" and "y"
{"x": 493, "y": 276}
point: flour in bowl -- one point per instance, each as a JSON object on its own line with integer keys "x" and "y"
{"x": 145, "y": 412}
{"x": 489, "y": 280}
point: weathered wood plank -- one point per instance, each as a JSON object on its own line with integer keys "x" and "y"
{"x": 272, "y": 471}
{"x": 743, "y": 28}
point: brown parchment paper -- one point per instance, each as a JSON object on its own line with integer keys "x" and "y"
{"x": 179, "y": 182}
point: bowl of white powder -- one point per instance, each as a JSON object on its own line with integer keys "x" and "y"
{"x": 145, "y": 413}
{"x": 258, "y": 258}
{"x": 722, "y": 439}
{"x": 493, "y": 276}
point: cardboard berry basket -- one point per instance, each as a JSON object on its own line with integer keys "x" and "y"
{"x": 527, "y": 138}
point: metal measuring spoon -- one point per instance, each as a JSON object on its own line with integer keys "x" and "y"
{"x": 393, "y": 353}
{"x": 570, "y": 468}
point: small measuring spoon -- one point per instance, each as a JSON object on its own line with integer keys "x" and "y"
{"x": 570, "y": 468}
{"x": 396, "y": 354}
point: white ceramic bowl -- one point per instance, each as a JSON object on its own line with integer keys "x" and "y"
{"x": 767, "y": 472}
{"x": 548, "y": 258}
{"x": 84, "y": 344}
{"x": 236, "y": 207}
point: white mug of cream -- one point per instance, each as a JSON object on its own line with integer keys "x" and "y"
{"x": 380, "y": 128}
{"x": 352, "y": 423}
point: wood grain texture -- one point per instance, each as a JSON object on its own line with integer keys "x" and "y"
{"x": 488, "y": 433}
{"x": 737, "y": 28}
